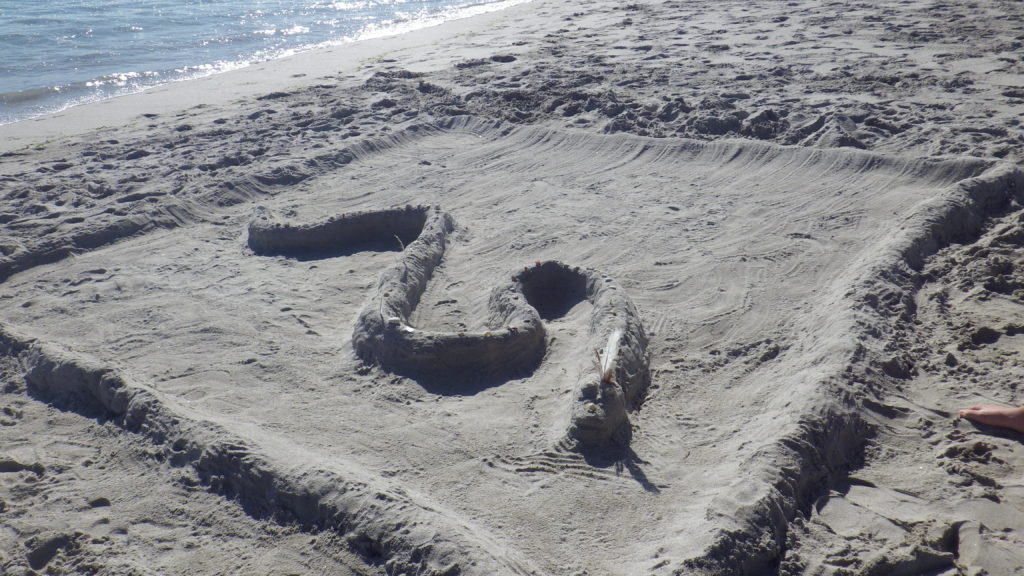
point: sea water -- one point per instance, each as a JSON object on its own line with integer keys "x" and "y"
{"x": 59, "y": 53}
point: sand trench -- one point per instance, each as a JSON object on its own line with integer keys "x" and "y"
{"x": 787, "y": 282}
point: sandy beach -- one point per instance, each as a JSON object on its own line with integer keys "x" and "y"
{"x": 591, "y": 288}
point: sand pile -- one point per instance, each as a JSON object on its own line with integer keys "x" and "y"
{"x": 659, "y": 288}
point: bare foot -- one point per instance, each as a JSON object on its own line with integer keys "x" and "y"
{"x": 1002, "y": 416}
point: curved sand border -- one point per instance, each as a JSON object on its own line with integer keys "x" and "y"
{"x": 838, "y": 420}
{"x": 516, "y": 341}
{"x": 386, "y": 525}
{"x": 832, "y": 429}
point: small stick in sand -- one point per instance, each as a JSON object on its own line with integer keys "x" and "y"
{"x": 405, "y": 264}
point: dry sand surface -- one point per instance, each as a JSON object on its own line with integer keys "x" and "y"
{"x": 571, "y": 288}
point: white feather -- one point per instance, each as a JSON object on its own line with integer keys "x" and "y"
{"x": 610, "y": 355}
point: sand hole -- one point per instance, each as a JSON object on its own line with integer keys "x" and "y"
{"x": 553, "y": 289}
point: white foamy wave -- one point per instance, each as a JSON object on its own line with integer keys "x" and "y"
{"x": 284, "y": 32}
{"x": 404, "y": 22}
{"x": 120, "y": 79}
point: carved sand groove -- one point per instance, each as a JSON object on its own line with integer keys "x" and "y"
{"x": 395, "y": 227}
{"x": 383, "y": 335}
{"x": 387, "y": 527}
{"x": 515, "y": 340}
{"x": 617, "y": 383}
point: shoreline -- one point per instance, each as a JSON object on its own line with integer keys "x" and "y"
{"x": 205, "y": 69}
{"x": 292, "y": 72}
{"x": 805, "y": 224}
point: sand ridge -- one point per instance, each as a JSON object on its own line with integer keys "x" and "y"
{"x": 515, "y": 340}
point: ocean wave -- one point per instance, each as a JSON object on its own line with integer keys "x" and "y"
{"x": 294, "y": 30}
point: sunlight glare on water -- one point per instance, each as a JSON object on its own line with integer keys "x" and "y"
{"x": 58, "y": 53}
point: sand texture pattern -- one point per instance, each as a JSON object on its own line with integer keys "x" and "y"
{"x": 657, "y": 288}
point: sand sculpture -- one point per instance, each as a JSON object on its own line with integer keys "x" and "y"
{"x": 515, "y": 342}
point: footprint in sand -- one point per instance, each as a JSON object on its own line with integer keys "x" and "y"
{"x": 516, "y": 340}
